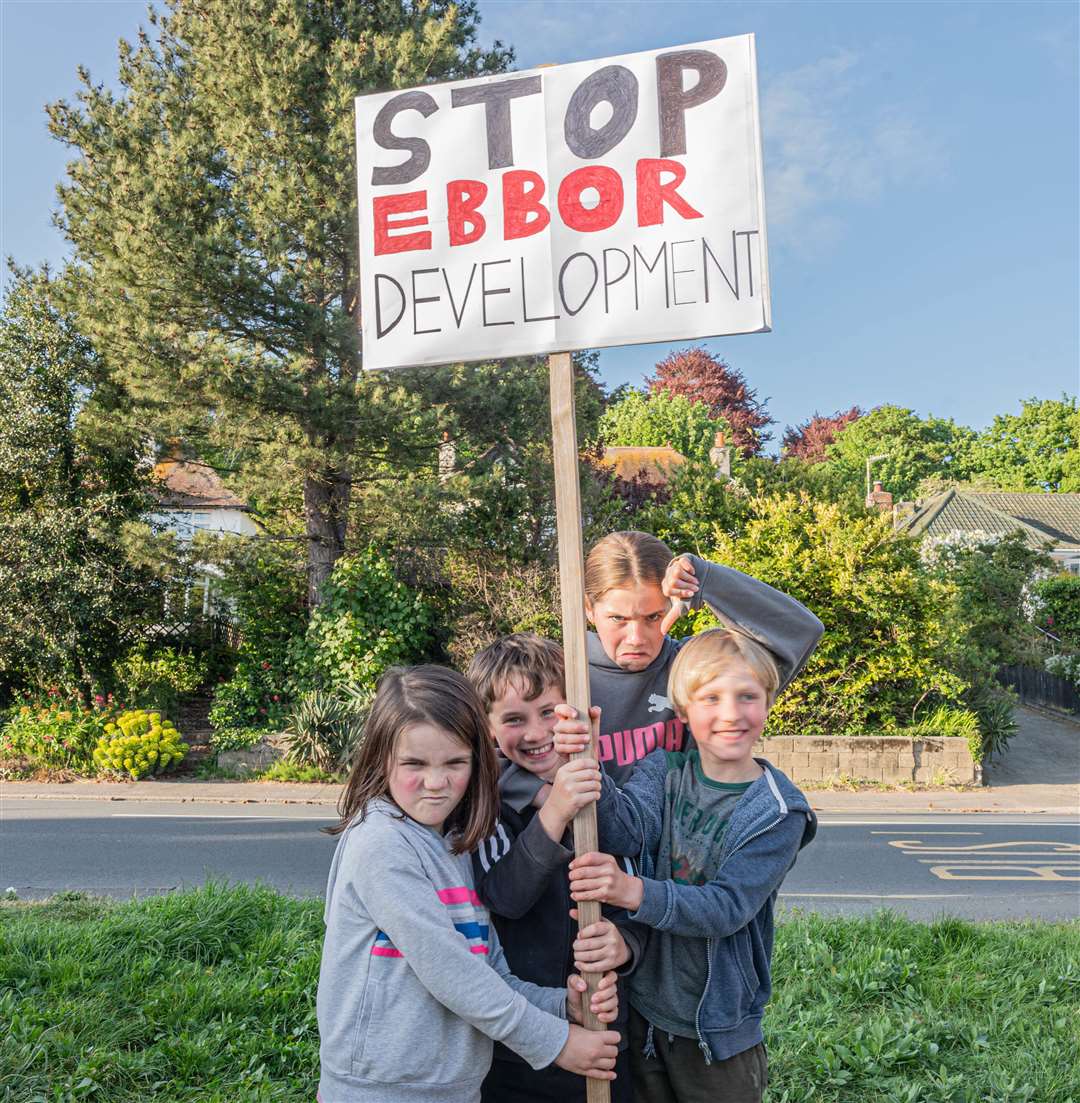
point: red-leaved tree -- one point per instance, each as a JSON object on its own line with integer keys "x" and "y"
{"x": 809, "y": 440}
{"x": 702, "y": 377}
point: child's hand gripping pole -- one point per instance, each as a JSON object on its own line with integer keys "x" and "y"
{"x": 578, "y": 740}
{"x": 586, "y": 841}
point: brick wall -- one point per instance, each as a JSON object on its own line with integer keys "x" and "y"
{"x": 885, "y": 759}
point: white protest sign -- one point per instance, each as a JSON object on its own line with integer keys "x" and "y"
{"x": 601, "y": 203}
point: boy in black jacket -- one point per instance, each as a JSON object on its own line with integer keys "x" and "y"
{"x": 521, "y": 871}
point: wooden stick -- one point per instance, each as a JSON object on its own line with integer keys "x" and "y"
{"x": 572, "y": 589}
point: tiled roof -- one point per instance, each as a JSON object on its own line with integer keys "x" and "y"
{"x": 654, "y": 465}
{"x": 1042, "y": 517}
{"x": 190, "y": 484}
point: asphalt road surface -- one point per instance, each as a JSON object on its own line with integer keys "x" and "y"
{"x": 988, "y": 866}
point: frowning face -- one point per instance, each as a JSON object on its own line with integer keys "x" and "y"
{"x": 429, "y": 772}
{"x": 629, "y": 622}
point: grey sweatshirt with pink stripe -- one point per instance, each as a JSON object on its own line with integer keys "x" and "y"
{"x": 414, "y": 986}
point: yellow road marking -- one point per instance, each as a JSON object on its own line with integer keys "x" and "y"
{"x": 915, "y": 846}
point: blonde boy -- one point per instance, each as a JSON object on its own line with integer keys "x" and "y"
{"x": 521, "y": 871}
{"x": 717, "y": 831}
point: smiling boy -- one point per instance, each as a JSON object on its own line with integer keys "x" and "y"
{"x": 717, "y": 831}
{"x": 521, "y": 871}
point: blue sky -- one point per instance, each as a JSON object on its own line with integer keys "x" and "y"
{"x": 922, "y": 169}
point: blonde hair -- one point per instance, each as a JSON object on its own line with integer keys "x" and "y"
{"x": 532, "y": 661}
{"x": 705, "y": 655}
{"x": 625, "y": 557}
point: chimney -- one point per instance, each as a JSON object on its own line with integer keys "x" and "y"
{"x": 720, "y": 457}
{"x": 879, "y": 499}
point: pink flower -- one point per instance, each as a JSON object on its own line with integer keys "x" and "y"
{"x": 99, "y": 700}
{"x": 263, "y": 711}
{"x": 275, "y": 698}
{"x": 265, "y": 664}
{"x": 1050, "y": 621}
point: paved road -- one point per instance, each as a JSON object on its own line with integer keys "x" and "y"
{"x": 988, "y": 866}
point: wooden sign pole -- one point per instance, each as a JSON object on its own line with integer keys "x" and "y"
{"x": 572, "y": 589}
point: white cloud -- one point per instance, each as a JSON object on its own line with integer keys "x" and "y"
{"x": 827, "y": 147}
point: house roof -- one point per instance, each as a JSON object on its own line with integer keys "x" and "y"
{"x": 1040, "y": 516}
{"x": 654, "y": 465}
{"x": 192, "y": 484}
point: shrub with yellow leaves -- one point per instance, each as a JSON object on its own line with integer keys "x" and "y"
{"x": 139, "y": 743}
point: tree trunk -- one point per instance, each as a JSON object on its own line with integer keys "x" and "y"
{"x": 326, "y": 510}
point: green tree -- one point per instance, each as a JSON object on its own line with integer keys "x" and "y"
{"x": 883, "y": 661}
{"x": 1058, "y": 599}
{"x": 1037, "y": 449}
{"x": 991, "y": 581}
{"x": 487, "y": 483}
{"x": 701, "y": 376}
{"x": 913, "y": 448}
{"x": 212, "y": 208}
{"x": 70, "y": 482}
{"x": 661, "y": 418}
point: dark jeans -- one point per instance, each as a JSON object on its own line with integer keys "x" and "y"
{"x": 514, "y": 1082}
{"x": 678, "y": 1073}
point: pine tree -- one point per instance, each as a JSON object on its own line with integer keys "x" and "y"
{"x": 212, "y": 207}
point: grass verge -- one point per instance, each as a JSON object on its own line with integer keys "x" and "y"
{"x": 209, "y": 996}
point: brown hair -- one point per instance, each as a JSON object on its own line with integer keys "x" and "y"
{"x": 706, "y": 654}
{"x": 625, "y": 557}
{"x": 524, "y": 657}
{"x": 433, "y": 695}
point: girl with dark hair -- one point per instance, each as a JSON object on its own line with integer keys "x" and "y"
{"x": 414, "y": 986}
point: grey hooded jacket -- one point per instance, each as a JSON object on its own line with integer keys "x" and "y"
{"x": 414, "y": 986}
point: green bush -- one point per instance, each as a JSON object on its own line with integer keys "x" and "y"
{"x": 323, "y": 730}
{"x": 55, "y": 734}
{"x": 947, "y": 721}
{"x": 885, "y": 655}
{"x": 256, "y": 697}
{"x": 139, "y": 743}
{"x": 157, "y": 678}
{"x": 367, "y": 620}
{"x": 1058, "y": 600}
{"x": 990, "y": 579}
{"x": 235, "y": 739}
{"x": 264, "y": 585}
{"x": 486, "y": 596}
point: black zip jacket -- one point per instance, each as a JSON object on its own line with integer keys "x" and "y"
{"x": 522, "y": 878}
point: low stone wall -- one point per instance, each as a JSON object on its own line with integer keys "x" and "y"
{"x": 254, "y": 759}
{"x": 884, "y": 759}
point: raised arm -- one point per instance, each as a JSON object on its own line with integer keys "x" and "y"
{"x": 787, "y": 628}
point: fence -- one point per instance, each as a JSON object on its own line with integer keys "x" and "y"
{"x": 1038, "y": 687}
{"x": 202, "y": 633}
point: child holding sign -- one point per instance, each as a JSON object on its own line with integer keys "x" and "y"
{"x": 521, "y": 871}
{"x": 635, "y": 590}
{"x": 717, "y": 831}
{"x": 413, "y": 985}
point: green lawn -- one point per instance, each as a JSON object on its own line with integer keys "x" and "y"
{"x": 210, "y": 996}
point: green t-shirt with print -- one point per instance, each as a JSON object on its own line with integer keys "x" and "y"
{"x": 667, "y": 987}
